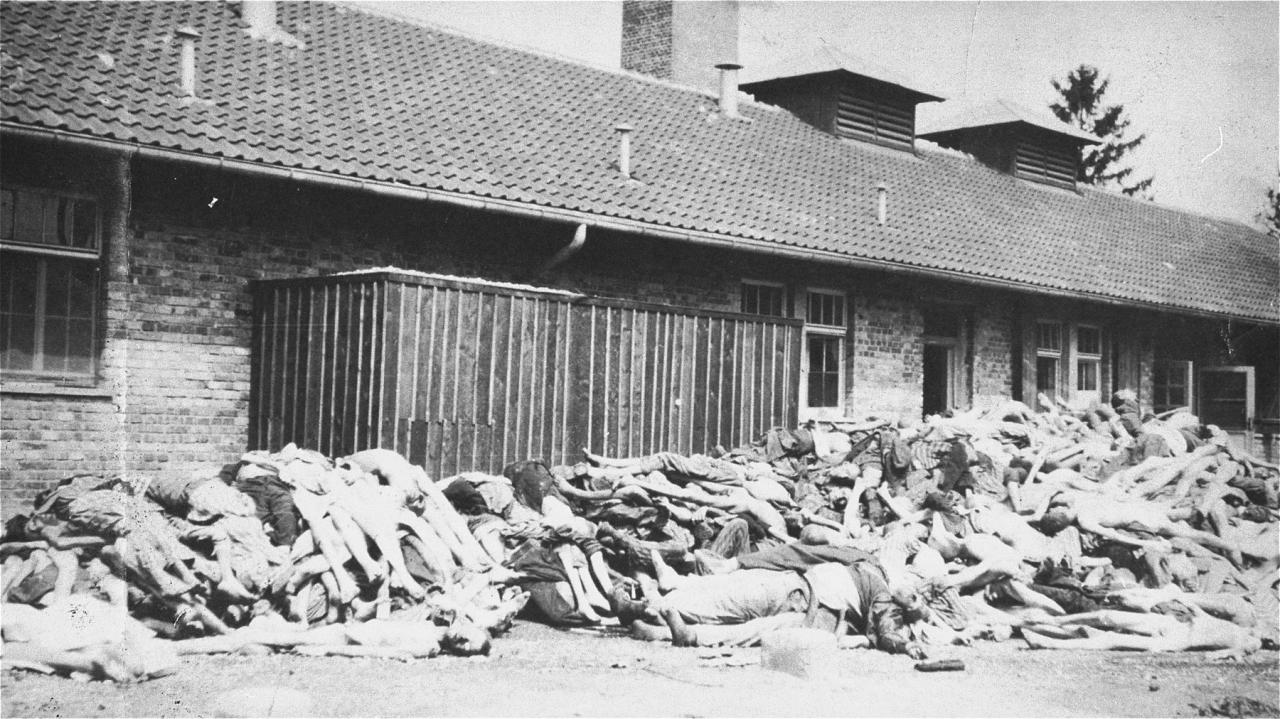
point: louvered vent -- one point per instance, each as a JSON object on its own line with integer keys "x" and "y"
{"x": 1052, "y": 164}
{"x": 865, "y": 116}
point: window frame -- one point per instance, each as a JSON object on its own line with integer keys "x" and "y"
{"x": 45, "y": 254}
{"x": 841, "y": 333}
{"x": 1184, "y": 370}
{"x": 758, "y": 284}
{"x": 1091, "y": 358}
{"x": 1049, "y": 353}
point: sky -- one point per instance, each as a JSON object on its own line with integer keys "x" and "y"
{"x": 1200, "y": 79}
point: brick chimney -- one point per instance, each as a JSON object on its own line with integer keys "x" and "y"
{"x": 680, "y": 40}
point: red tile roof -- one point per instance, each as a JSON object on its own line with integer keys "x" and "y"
{"x": 382, "y": 99}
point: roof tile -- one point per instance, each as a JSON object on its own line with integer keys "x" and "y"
{"x": 376, "y": 97}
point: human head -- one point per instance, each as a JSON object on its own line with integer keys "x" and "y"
{"x": 1055, "y": 520}
{"x": 466, "y": 639}
{"x": 911, "y": 603}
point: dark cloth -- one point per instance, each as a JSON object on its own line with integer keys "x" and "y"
{"x": 68, "y": 490}
{"x": 624, "y": 514}
{"x": 538, "y": 561}
{"x": 547, "y": 605}
{"x": 632, "y": 553}
{"x": 776, "y": 444}
{"x": 897, "y": 454}
{"x": 173, "y": 493}
{"x": 878, "y": 617}
{"x": 33, "y": 586}
{"x": 799, "y": 557}
{"x": 1073, "y": 601}
{"x": 273, "y": 503}
{"x": 531, "y": 481}
{"x": 466, "y": 498}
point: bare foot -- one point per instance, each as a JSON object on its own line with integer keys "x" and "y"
{"x": 681, "y": 634}
{"x": 668, "y": 578}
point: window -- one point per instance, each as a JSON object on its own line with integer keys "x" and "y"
{"x": 1048, "y": 355}
{"x": 1171, "y": 385}
{"x": 759, "y": 298}
{"x": 49, "y": 252}
{"x": 824, "y": 336}
{"x": 1088, "y": 359}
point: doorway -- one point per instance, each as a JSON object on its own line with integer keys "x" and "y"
{"x": 938, "y": 392}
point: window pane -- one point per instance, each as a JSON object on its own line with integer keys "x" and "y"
{"x": 81, "y": 347}
{"x": 6, "y": 214}
{"x": 1089, "y": 340}
{"x": 18, "y": 333}
{"x": 1047, "y": 375}
{"x": 55, "y": 302}
{"x": 1087, "y": 375}
{"x": 1049, "y": 336}
{"x": 824, "y": 371}
{"x": 762, "y": 300}
{"x": 52, "y": 220}
{"x": 55, "y": 345}
{"x": 85, "y": 228}
{"x": 82, "y": 289}
{"x": 28, "y": 218}
{"x": 18, "y": 272}
{"x": 830, "y": 390}
{"x": 774, "y": 306}
{"x": 826, "y": 309}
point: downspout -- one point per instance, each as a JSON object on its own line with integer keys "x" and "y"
{"x": 114, "y": 367}
{"x": 564, "y": 253}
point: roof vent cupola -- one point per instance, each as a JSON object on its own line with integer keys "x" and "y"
{"x": 1014, "y": 139}
{"x": 844, "y": 95}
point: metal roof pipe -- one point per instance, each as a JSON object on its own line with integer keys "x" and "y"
{"x": 624, "y": 148}
{"x": 882, "y": 211}
{"x": 729, "y": 88}
{"x": 569, "y": 250}
{"x": 187, "y": 37}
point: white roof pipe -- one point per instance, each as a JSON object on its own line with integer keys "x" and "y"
{"x": 882, "y": 211}
{"x": 729, "y": 88}
{"x": 187, "y": 37}
{"x": 624, "y": 148}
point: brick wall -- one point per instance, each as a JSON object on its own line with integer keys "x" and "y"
{"x": 175, "y": 369}
{"x": 993, "y": 343}
{"x": 646, "y": 37}
{"x": 886, "y": 353}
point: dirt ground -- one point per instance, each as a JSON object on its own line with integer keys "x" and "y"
{"x": 537, "y": 671}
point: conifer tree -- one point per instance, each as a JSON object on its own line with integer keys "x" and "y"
{"x": 1082, "y": 105}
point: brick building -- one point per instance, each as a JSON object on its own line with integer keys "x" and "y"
{"x": 161, "y": 160}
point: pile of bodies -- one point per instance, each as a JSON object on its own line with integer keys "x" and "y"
{"x": 1092, "y": 529}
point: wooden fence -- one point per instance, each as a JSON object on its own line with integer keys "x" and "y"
{"x": 463, "y": 376}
